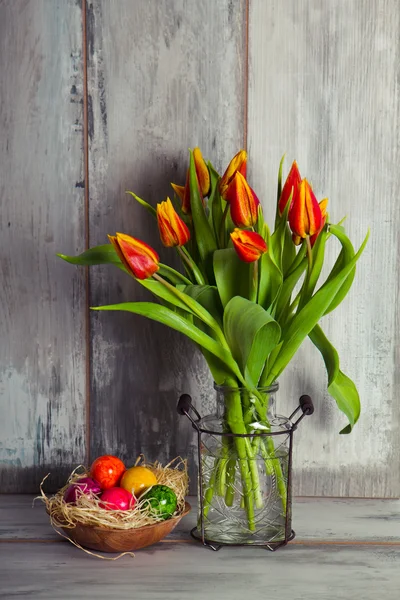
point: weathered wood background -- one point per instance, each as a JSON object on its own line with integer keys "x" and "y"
{"x": 101, "y": 96}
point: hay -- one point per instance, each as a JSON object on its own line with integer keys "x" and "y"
{"x": 87, "y": 510}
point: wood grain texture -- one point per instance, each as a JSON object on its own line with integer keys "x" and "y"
{"x": 163, "y": 77}
{"x": 315, "y": 520}
{"x": 42, "y": 358}
{"x": 323, "y": 87}
{"x": 181, "y": 571}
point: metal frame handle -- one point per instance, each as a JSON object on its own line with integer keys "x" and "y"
{"x": 185, "y": 407}
{"x": 306, "y": 406}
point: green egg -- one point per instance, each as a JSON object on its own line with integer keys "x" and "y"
{"x": 161, "y": 501}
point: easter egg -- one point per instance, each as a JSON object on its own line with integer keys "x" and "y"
{"x": 137, "y": 480}
{"x": 107, "y": 470}
{"x": 85, "y": 486}
{"x": 116, "y": 498}
{"x": 161, "y": 501}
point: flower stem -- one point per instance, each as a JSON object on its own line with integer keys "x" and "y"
{"x": 222, "y": 241}
{"x": 184, "y": 254}
{"x": 254, "y": 281}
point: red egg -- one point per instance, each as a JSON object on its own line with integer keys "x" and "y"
{"x": 85, "y": 485}
{"x": 117, "y": 498}
{"x": 107, "y": 470}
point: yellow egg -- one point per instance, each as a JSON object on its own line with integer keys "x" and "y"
{"x": 137, "y": 480}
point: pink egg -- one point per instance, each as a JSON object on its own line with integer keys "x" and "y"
{"x": 86, "y": 486}
{"x": 117, "y": 498}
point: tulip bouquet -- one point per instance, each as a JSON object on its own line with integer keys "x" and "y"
{"x": 246, "y": 296}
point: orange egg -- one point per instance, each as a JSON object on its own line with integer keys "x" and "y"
{"x": 107, "y": 471}
{"x": 137, "y": 480}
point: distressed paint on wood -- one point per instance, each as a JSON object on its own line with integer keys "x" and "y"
{"x": 323, "y": 87}
{"x": 42, "y": 358}
{"x": 315, "y": 520}
{"x": 163, "y": 77}
{"x": 180, "y": 571}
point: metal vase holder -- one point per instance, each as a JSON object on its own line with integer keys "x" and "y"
{"x": 185, "y": 407}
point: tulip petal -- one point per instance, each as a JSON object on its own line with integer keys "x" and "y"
{"x": 243, "y": 202}
{"x": 305, "y": 213}
{"x": 179, "y": 190}
{"x": 173, "y": 231}
{"x": 140, "y": 258}
{"x": 249, "y": 245}
{"x": 292, "y": 183}
{"x": 238, "y": 163}
{"x": 203, "y": 175}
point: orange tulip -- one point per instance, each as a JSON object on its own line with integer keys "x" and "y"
{"x": 323, "y": 205}
{"x": 243, "y": 202}
{"x": 248, "y": 245}
{"x": 203, "y": 178}
{"x": 173, "y": 231}
{"x": 203, "y": 175}
{"x": 305, "y": 213}
{"x": 138, "y": 258}
{"x": 238, "y": 163}
{"x": 292, "y": 183}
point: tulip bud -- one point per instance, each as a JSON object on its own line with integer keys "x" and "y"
{"x": 203, "y": 175}
{"x": 323, "y": 205}
{"x": 238, "y": 163}
{"x": 243, "y": 202}
{"x": 183, "y": 192}
{"x": 305, "y": 213}
{"x": 137, "y": 257}
{"x": 248, "y": 245}
{"x": 203, "y": 179}
{"x": 173, "y": 231}
{"x": 291, "y": 186}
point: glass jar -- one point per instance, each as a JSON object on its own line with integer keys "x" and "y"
{"x": 244, "y": 475}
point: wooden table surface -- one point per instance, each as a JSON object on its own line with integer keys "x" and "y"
{"x": 343, "y": 549}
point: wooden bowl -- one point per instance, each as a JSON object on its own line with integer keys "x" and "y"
{"x": 123, "y": 540}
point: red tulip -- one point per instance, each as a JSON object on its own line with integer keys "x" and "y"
{"x": 305, "y": 213}
{"x": 238, "y": 163}
{"x": 243, "y": 202}
{"x": 248, "y": 245}
{"x": 203, "y": 178}
{"x": 291, "y": 186}
{"x": 323, "y": 205}
{"x": 139, "y": 258}
{"x": 173, "y": 231}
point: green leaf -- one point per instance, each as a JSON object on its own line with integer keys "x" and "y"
{"x": 172, "y": 275}
{"x": 231, "y": 274}
{"x": 98, "y": 255}
{"x": 279, "y": 191}
{"x": 318, "y": 255}
{"x": 145, "y": 204}
{"x": 208, "y": 297}
{"x": 214, "y": 202}
{"x": 164, "y": 315}
{"x": 308, "y": 317}
{"x": 345, "y": 256}
{"x": 270, "y": 281}
{"x": 277, "y": 241}
{"x": 204, "y": 234}
{"x": 288, "y": 286}
{"x": 340, "y": 387}
{"x": 251, "y": 334}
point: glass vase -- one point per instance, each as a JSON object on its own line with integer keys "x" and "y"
{"x": 244, "y": 475}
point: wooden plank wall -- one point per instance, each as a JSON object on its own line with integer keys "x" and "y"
{"x": 314, "y": 79}
{"x": 323, "y": 87}
{"x": 158, "y": 84}
{"x": 42, "y": 350}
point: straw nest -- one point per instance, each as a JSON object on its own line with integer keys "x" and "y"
{"x": 87, "y": 510}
